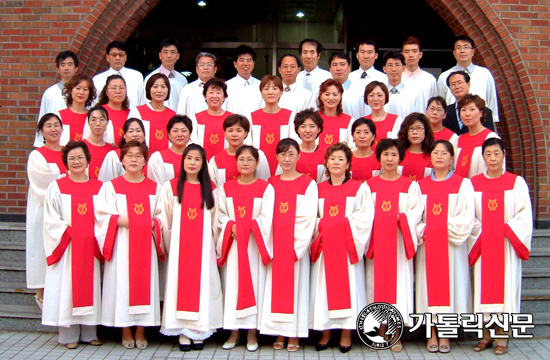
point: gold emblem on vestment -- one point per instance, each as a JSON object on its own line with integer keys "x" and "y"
{"x": 138, "y": 209}
{"x": 333, "y": 210}
{"x": 82, "y": 209}
{"x": 386, "y": 205}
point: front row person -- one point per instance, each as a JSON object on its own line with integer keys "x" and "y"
{"x": 72, "y": 292}
{"x": 129, "y": 239}
{"x": 337, "y": 291}
{"x": 193, "y": 304}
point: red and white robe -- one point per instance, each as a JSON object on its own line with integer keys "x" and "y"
{"x": 208, "y": 132}
{"x": 72, "y": 293}
{"x": 387, "y": 128}
{"x": 468, "y": 157}
{"x": 130, "y": 280}
{"x": 337, "y": 288}
{"x": 390, "y": 274}
{"x": 415, "y": 166}
{"x": 311, "y": 164}
{"x": 73, "y": 125}
{"x": 335, "y": 129}
{"x": 286, "y": 300}
{"x": 362, "y": 169}
{"x": 193, "y": 302}
{"x": 223, "y": 167}
{"x": 111, "y": 168}
{"x": 114, "y": 132}
{"x": 98, "y": 155}
{"x": 500, "y": 240}
{"x": 442, "y": 271}
{"x": 43, "y": 167}
{"x": 268, "y": 130}
{"x": 156, "y": 136}
{"x": 243, "y": 260}
{"x": 446, "y": 134}
{"x": 163, "y": 166}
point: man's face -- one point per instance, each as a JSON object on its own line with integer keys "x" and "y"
{"x": 66, "y": 69}
{"x": 394, "y": 69}
{"x": 117, "y": 58}
{"x": 366, "y": 56}
{"x": 459, "y": 87}
{"x": 412, "y": 54}
{"x": 244, "y": 65}
{"x": 289, "y": 70}
{"x": 340, "y": 69}
{"x": 310, "y": 56}
{"x": 206, "y": 68}
{"x": 463, "y": 52}
{"x": 169, "y": 55}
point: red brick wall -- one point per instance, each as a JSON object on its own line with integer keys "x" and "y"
{"x": 512, "y": 38}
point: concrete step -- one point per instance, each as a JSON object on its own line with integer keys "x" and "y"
{"x": 12, "y": 251}
{"x": 12, "y": 232}
{"x": 542, "y": 324}
{"x": 22, "y": 318}
{"x": 535, "y": 278}
{"x": 535, "y": 300}
{"x": 16, "y": 294}
{"x": 541, "y": 238}
{"x": 539, "y": 258}
{"x": 12, "y": 272}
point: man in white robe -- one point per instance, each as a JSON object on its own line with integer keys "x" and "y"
{"x": 191, "y": 100}
{"x": 116, "y": 56}
{"x": 352, "y": 99}
{"x": 403, "y": 97}
{"x": 312, "y": 76}
{"x": 295, "y": 97}
{"x": 423, "y": 80}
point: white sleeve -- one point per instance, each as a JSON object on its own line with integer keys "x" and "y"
{"x": 306, "y": 216}
{"x": 40, "y": 175}
{"x": 461, "y": 222}
{"x": 111, "y": 167}
{"x": 262, "y": 171}
{"x": 54, "y": 224}
{"x": 155, "y": 168}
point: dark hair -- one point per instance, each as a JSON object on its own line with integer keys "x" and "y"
{"x": 45, "y": 118}
{"x": 134, "y": 143}
{"x": 204, "y": 178}
{"x": 242, "y": 50}
{"x": 71, "y": 145}
{"x": 465, "y": 38}
{"x": 447, "y": 145}
{"x": 428, "y": 133}
{"x": 285, "y": 144}
{"x": 339, "y": 146}
{"x": 477, "y": 101}
{"x": 370, "y": 88}
{"x": 250, "y": 148}
{"x": 179, "y": 119}
{"x": 169, "y": 42}
{"x": 317, "y": 44}
{"x": 116, "y": 45}
{"x": 492, "y": 142}
{"x": 274, "y": 79}
{"x": 460, "y": 72}
{"x": 292, "y": 56}
{"x": 215, "y": 83}
{"x": 151, "y": 82}
{"x": 386, "y": 144}
{"x": 237, "y": 119}
{"x": 125, "y": 128}
{"x": 103, "y": 99}
{"x": 63, "y": 56}
{"x": 205, "y": 54}
{"x": 99, "y": 108}
{"x": 438, "y": 100}
{"x": 368, "y": 42}
{"x": 393, "y": 55}
{"x": 303, "y": 115}
{"x": 75, "y": 80}
{"x": 339, "y": 55}
{"x": 323, "y": 87}
{"x": 363, "y": 121}
{"x": 411, "y": 40}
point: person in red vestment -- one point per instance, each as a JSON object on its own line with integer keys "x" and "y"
{"x": 436, "y": 113}
{"x": 387, "y": 125}
{"x": 501, "y": 239}
{"x": 416, "y": 135}
{"x": 337, "y": 125}
{"x": 72, "y": 293}
{"x": 365, "y": 163}
{"x": 98, "y": 119}
{"x": 114, "y": 98}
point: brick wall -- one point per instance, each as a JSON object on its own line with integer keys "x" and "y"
{"x": 512, "y": 36}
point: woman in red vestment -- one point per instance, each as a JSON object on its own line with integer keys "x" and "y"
{"x": 336, "y": 124}
{"x": 436, "y": 113}
{"x": 365, "y": 164}
{"x": 97, "y": 120}
{"x": 387, "y": 125}
{"x": 114, "y": 99}
{"x": 416, "y": 135}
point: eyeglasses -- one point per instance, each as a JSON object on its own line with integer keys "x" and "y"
{"x": 436, "y": 110}
{"x": 466, "y": 47}
{"x": 205, "y": 65}
{"x": 457, "y": 84}
{"x": 78, "y": 158}
{"x": 115, "y": 89}
{"x": 100, "y": 120}
{"x": 117, "y": 55}
{"x": 417, "y": 129}
{"x": 131, "y": 157}
{"x": 248, "y": 160}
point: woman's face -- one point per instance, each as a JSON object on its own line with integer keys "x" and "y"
{"x": 134, "y": 133}
{"x": 98, "y": 122}
{"x": 337, "y": 163}
{"x": 441, "y": 158}
{"x": 192, "y": 163}
{"x": 470, "y": 114}
{"x": 389, "y": 159}
{"x": 271, "y": 93}
{"x": 235, "y": 135}
{"x": 246, "y": 163}
{"x": 416, "y": 133}
{"x": 133, "y": 161}
{"x": 214, "y": 97}
{"x": 308, "y": 131}
{"x": 362, "y": 136}
{"x": 179, "y": 135}
{"x": 116, "y": 91}
{"x": 376, "y": 99}
{"x": 494, "y": 158}
{"x": 288, "y": 159}
{"x": 80, "y": 93}
{"x": 331, "y": 98}
{"x": 76, "y": 161}
{"x": 159, "y": 90}
{"x": 435, "y": 113}
{"x": 52, "y": 129}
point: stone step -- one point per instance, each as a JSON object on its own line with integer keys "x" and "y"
{"x": 16, "y": 294}
{"x": 12, "y": 232}
{"x": 535, "y": 278}
{"x": 539, "y": 258}
{"x": 542, "y": 324}
{"x": 12, "y": 272}
{"x": 12, "y": 251}
{"x": 22, "y": 318}
{"x": 535, "y": 300}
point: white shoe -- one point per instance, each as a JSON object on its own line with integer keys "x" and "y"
{"x": 230, "y": 345}
{"x": 252, "y": 347}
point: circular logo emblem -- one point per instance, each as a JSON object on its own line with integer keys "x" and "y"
{"x": 370, "y": 326}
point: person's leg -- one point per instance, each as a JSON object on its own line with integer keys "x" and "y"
{"x": 485, "y": 342}
{"x": 128, "y": 340}
{"x": 69, "y": 336}
{"x": 432, "y": 344}
{"x": 279, "y": 343}
{"x": 141, "y": 341}
{"x": 502, "y": 344}
{"x": 88, "y": 334}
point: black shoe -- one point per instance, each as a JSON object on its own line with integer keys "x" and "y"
{"x": 185, "y": 347}
{"x": 344, "y": 349}
{"x": 197, "y": 346}
{"x": 321, "y": 347}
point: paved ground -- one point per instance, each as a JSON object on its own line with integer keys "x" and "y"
{"x": 20, "y": 345}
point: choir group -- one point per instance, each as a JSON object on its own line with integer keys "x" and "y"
{"x": 273, "y": 205}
